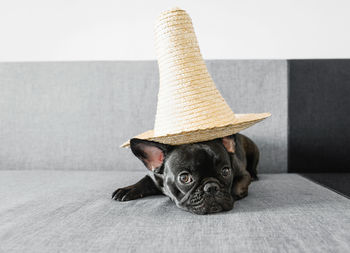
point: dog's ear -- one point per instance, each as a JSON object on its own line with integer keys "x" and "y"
{"x": 151, "y": 153}
{"x": 229, "y": 143}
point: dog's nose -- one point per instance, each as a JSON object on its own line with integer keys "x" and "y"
{"x": 211, "y": 188}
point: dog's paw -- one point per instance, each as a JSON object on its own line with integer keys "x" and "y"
{"x": 126, "y": 194}
{"x": 241, "y": 195}
{"x": 255, "y": 178}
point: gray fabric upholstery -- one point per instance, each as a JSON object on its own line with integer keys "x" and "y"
{"x": 74, "y": 115}
{"x": 71, "y": 211}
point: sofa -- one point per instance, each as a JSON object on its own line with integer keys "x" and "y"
{"x": 62, "y": 124}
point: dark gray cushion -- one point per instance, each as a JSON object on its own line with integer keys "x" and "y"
{"x": 71, "y": 211}
{"x": 75, "y": 115}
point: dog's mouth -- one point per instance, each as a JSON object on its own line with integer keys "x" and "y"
{"x": 203, "y": 203}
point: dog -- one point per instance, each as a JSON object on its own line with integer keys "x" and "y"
{"x": 202, "y": 178}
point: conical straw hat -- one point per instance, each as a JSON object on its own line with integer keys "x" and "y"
{"x": 190, "y": 108}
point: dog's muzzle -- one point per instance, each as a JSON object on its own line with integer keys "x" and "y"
{"x": 210, "y": 197}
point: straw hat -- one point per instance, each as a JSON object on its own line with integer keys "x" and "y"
{"x": 190, "y": 108}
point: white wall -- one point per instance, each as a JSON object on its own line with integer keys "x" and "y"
{"x": 60, "y": 30}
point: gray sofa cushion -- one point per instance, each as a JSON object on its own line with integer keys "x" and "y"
{"x": 71, "y": 211}
{"x": 74, "y": 115}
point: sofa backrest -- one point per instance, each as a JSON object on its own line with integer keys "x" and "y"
{"x": 75, "y": 115}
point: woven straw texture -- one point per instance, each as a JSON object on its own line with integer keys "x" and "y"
{"x": 190, "y": 107}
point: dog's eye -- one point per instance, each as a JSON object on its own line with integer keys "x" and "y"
{"x": 185, "y": 178}
{"x": 226, "y": 171}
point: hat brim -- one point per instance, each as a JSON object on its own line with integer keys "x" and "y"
{"x": 241, "y": 122}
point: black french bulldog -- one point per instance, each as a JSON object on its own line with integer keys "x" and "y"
{"x": 205, "y": 177}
